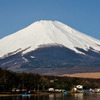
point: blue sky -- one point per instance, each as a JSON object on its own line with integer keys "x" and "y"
{"x": 82, "y": 15}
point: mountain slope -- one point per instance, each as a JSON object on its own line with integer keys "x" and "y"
{"x": 46, "y": 47}
{"x": 46, "y": 32}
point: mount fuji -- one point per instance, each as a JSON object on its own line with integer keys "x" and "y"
{"x": 49, "y": 47}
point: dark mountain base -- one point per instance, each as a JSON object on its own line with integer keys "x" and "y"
{"x": 53, "y": 60}
{"x": 57, "y": 71}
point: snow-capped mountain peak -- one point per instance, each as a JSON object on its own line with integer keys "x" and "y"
{"x": 46, "y": 33}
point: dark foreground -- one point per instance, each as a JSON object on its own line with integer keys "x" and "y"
{"x": 76, "y": 96}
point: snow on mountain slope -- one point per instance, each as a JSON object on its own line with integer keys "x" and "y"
{"x": 46, "y": 32}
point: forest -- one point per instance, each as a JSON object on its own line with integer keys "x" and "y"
{"x": 36, "y": 82}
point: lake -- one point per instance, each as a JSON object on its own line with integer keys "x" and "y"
{"x": 76, "y": 96}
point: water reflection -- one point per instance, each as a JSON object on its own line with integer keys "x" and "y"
{"x": 51, "y": 97}
{"x": 26, "y": 98}
{"x": 76, "y": 96}
{"x": 56, "y": 96}
{"x": 79, "y": 96}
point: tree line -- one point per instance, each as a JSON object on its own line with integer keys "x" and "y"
{"x": 36, "y": 82}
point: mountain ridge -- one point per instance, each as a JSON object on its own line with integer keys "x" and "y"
{"x": 45, "y": 46}
{"x": 47, "y": 32}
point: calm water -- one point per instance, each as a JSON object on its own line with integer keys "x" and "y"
{"x": 78, "y": 96}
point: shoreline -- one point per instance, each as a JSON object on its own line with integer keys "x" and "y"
{"x": 40, "y": 93}
{"x": 36, "y": 94}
